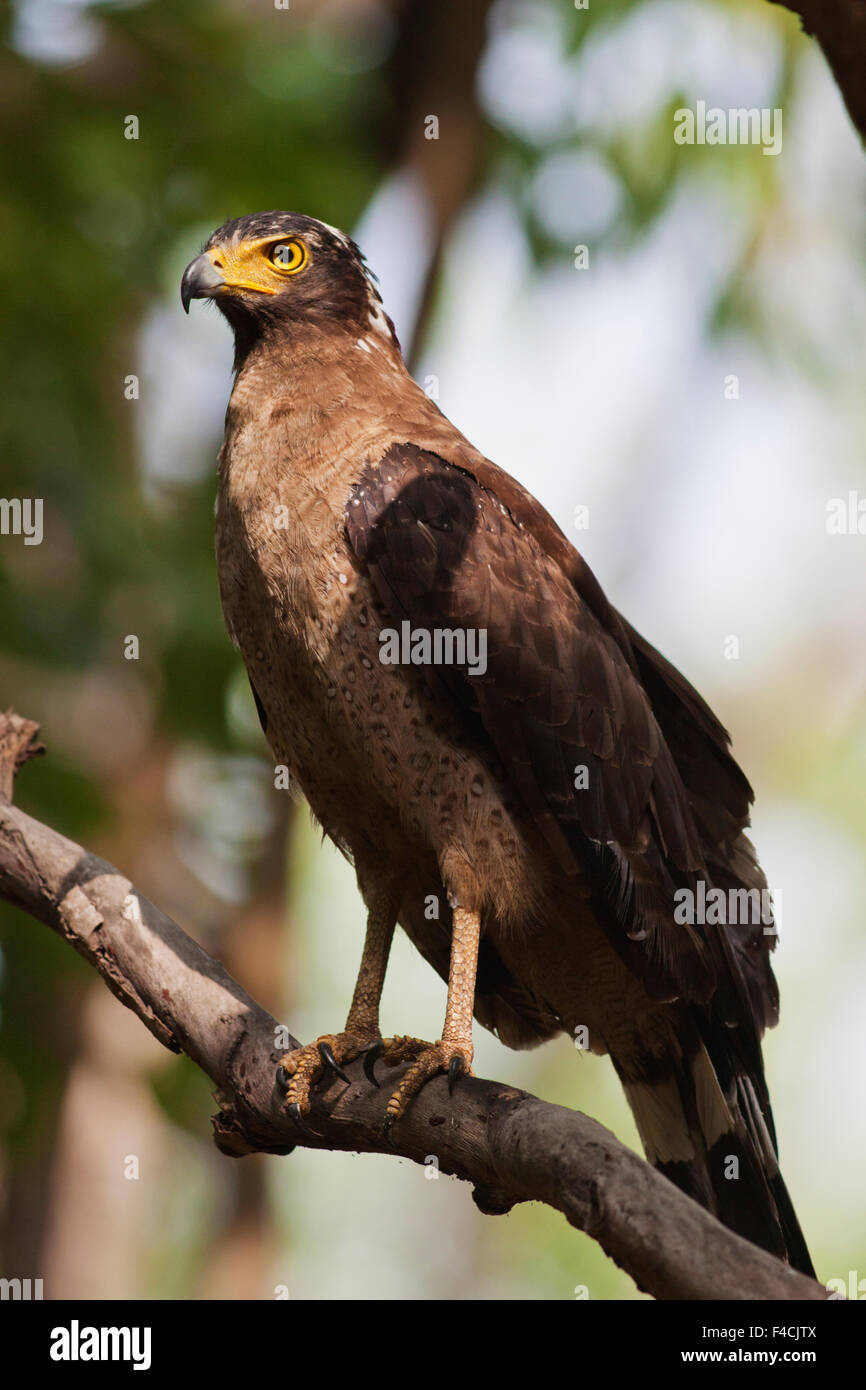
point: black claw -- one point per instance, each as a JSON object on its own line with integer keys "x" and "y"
{"x": 455, "y": 1071}
{"x": 283, "y": 1079}
{"x": 389, "y": 1128}
{"x": 294, "y": 1112}
{"x": 371, "y": 1056}
{"x": 330, "y": 1060}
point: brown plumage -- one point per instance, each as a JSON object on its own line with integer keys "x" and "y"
{"x": 533, "y": 814}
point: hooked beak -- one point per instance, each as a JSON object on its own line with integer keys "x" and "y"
{"x": 201, "y": 280}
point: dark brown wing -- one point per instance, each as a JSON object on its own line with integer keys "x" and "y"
{"x": 568, "y": 686}
{"x": 560, "y": 694}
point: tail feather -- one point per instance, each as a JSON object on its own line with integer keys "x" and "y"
{"x": 715, "y": 1142}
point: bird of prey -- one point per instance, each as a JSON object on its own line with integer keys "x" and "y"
{"x": 521, "y": 781}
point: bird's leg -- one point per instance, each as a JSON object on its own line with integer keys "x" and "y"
{"x": 453, "y": 1053}
{"x": 299, "y": 1070}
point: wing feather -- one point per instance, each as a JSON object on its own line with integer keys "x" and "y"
{"x": 569, "y": 685}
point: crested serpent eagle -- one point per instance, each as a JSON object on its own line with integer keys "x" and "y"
{"x": 551, "y": 782}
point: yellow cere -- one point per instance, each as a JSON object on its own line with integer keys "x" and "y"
{"x": 259, "y": 265}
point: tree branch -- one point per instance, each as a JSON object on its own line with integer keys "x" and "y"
{"x": 511, "y": 1146}
{"x": 840, "y": 28}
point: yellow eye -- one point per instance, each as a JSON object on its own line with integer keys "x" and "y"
{"x": 289, "y": 256}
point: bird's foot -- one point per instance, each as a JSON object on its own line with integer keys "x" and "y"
{"x": 428, "y": 1059}
{"x": 299, "y": 1071}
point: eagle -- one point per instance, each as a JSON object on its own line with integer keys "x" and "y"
{"x": 544, "y": 804}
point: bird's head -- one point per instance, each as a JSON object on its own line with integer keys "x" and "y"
{"x": 277, "y": 271}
